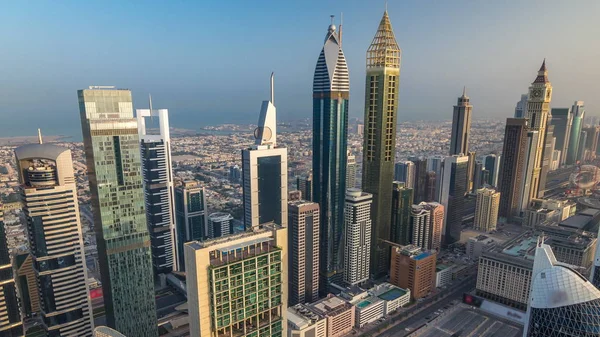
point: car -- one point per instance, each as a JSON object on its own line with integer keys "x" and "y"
{"x": 407, "y": 329}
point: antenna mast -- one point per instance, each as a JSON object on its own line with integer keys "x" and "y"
{"x": 273, "y": 88}
{"x": 40, "y": 136}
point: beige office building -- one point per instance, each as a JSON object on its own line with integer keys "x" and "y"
{"x": 486, "y": 209}
{"x": 340, "y": 315}
{"x": 303, "y": 321}
{"x": 237, "y": 284}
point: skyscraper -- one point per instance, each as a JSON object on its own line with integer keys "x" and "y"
{"x": 426, "y": 222}
{"x": 357, "y": 216}
{"x": 431, "y": 184}
{"x": 112, "y": 150}
{"x": 521, "y": 108}
{"x": 491, "y": 163}
{"x": 530, "y": 152}
{"x": 351, "y": 171}
{"x": 264, "y": 168}
{"x": 158, "y": 188}
{"x": 470, "y": 171}
{"x": 578, "y": 112}
{"x": 538, "y": 108}
{"x": 453, "y": 196}
{"x": 486, "y": 209}
{"x": 591, "y": 142}
{"x": 420, "y": 178}
{"x": 49, "y": 196}
{"x": 512, "y": 166}
{"x": 219, "y": 224}
{"x": 238, "y": 285}
{"x": 10, "y": 325}
{"x": 331, "y": 90}
{"x": 402, "y": 199}
{"x": 562, "y": 119}
{"x": 461, "y": 125}
{"x": 304, "y": 184}
{"x": 381, "y": 105}
{"x": 191, "y": 216}
{"x": 561, "y": 302}
{"x": 303, "y": 245}
{"x": 404, "y": 171}
{"x": 595, "y": 272}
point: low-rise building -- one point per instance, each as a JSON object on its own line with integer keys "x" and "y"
{"x": 305, "y": 322}
{"x": 340, "y": 315}
{"x": 368, "y": 310}
{"x": 479, "y": 244}
{"x": 443, "y": 275}
{"x": 541, "y": 210}
{"x": 393, "y": 296}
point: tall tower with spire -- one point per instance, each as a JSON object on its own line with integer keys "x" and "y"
{"x": 331, "y": 90}
{"x": 379, "y": 144}
{"x": 461, "y": 125}
{"x": 538, "y": 109}
{"x": 264, "y": 168}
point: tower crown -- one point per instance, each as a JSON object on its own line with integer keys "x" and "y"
{"x": 331, "y": 72}
{"x": 542, "y": 76}
{"x": 384, "y": 50}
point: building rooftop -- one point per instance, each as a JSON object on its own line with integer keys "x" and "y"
{"x": 331, "y": 306}
{"x": 577, "y": 221}
{"x": 363, "y": 303}
{"x": 301, "y": 316}
{"x": 392, "y": 294}
{"x": 441, "y": 267}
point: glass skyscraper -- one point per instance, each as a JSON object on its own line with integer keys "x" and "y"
{"x": 112, "y": 149}
{"x": 578, "y": 111}
{"x": 562, "y": 302}
{"x": 331, "y": 90}
{"x": 190, "y": 217}
{"x": 454, "y": 183}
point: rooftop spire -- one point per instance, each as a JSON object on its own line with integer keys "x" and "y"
{"x": 542, "y": 76}
{"x": 40, "y": 136}
{"x": 384, "y": 50}
{"x": 465, "y": 91}
{"x": 543, "y": 67}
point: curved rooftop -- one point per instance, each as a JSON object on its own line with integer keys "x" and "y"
{"x": 40, "y": 151}
{"x": 331, "y": 72}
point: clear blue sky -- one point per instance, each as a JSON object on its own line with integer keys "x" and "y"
{"x": 209, "y": 61}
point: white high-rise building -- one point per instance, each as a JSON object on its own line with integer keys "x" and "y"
{"x": 357, "y": 218}
{"x": 49, "y": 195}
{"x": 486, "y": 209}
{"x": 158, "y": 188}
{"x": 264, "y": 168}
{"x": 351, "y": 171}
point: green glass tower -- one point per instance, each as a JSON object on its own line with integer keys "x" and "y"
{"x": 112, "y": 151}
{"x": 402, "y": 200}
{"x": 381, "y": 106}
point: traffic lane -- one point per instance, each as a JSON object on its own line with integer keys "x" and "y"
{"x": 419, "y": 318}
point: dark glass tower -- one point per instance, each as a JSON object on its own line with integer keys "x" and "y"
{"x": 461, "y": 125}
{"x": 331, "y": 89}
{"x": 381, "y": 118}
{"x": 402, "y": 200}
{"x": 112, "y": 150}
{"x": 10, "y": 324}
{"x": 512, "y": 166}
{"x": 454, "y": 183}
{"x": 562, "y": 119}
{"x": 190, "y": 217}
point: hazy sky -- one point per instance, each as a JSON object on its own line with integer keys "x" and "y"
{"x": 209, "y": 61}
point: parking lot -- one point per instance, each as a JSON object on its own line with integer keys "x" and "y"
{"x": 465, "y": 321}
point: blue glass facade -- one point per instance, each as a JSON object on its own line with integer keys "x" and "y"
{"x": 330, "y": 142}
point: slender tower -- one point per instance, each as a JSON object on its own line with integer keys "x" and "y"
{"x": 264, "y": 167}
{"x": 158, "y": 189}
{"x": 331, "y": 89}
{"x": 10, "y": 325}
{"x": 538, "y": 109}
{"x": 112, "y": 151}
{"x": 381, "y": 106}
{"x": 461, "y": 125}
